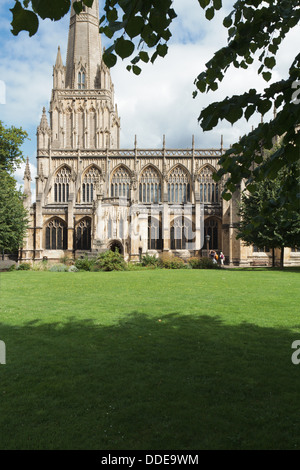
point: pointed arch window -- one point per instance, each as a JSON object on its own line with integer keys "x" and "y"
{"x": 83, "y": 234}
{"x": 179, "y": 188}
{"x": 150, "y": 186}
{"x": 182, "y": 235}
{"x": 81, "y": 80}
{"x": 120, "y": 183}
{"x": 154, "y": 234}
{"x": 62, "y": 185}
{"x": 90, "y": 179}
{"x": 209, "y": 189}
{"x": 56, "y": 235}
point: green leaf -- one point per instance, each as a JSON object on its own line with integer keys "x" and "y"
{"x": 249, "y": 112}
{"x": 54, "y": 9}
{"x": 136, "y": 70}
{"x": 210, "y": 13}
{"x": 162, "y": 50}
{"x": 144, "y": 56}
{"x": 267, "y": 76}
{"x": 134, "y": 26}
{"x": 270, "y": 62}
{"x": 217, "y": 4}
{"x": 124, "y": 48}
{"x": 204, "y": 3}
{"x": 227, "y": 21}
{"x": 109, "y": 59}
{"x": 23, "y": 20}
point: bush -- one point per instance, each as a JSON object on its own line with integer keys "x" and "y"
{"x": 203, "y": 263}
{"x": 58, "y": 268}
{"x": 24, "y": 267}
{"x": 110, "y": 261}
{"x": 149, "y": 260}
{"x": 84, "y": 264}
{"x": 173, "y": 263}
{"x": 72, "y": 269}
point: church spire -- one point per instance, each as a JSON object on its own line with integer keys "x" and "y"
{"x": 59, "y": 62}
{"x": 27, "y": 187}
{"x": 84, "y": 49}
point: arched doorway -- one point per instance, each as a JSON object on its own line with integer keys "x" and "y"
{"x": 116, "y": 245}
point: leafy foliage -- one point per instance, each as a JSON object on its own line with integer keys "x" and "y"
{"x": 13, "y": 216}
{"x": 265, "y": 220}
{"x": 58, "y": 268}
{"x": 24, "y": 267}
{"x": 84, "y": 264}
{"x": 150, "y": 260}
{"x": 111, "y": 261}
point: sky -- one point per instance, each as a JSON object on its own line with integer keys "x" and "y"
{"x": 157, "y": 102}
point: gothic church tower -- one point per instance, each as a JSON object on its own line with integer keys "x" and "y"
{"x": 82, "y": 111}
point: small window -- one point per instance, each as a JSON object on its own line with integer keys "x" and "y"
{"x": 81, "y": 80}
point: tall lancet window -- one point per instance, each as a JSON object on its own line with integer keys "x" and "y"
{"x": 150, "y": 186}
{"x": 179, "y": 188}
{"x": 120, "y": 183}
{"x": 81, "y": 80}
{"x": 209, "y": 189}
{"x": 62, "y": 185}
{"x": 90, "y": 179}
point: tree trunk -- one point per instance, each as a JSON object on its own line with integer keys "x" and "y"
{"x": 282, "y": 257}
{"x": 273, "y": 257}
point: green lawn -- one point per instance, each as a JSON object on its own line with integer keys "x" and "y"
{"x": 187, "y": 359}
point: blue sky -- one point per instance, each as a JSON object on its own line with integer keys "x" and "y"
{"x": 157, "y": 102}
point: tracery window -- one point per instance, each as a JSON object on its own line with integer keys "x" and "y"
{"x": 56, "y": 235}
{"x": 209, "y": 189}
{"x": 120, "y": 183}
{"x": 154, "y": 234}
{"x": 90, "y": 179}
{"x": 81, "y": 80}
{"x": 182, "y": 236}
{"x": 83, "y": 234}
{"x": 62, "y": 185}
{"x": 211, "y": 228}
{"x": 150, "y": 186}
{"x": 179, "y": 186}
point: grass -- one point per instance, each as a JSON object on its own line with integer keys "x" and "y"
{"x": 150, "y": 360}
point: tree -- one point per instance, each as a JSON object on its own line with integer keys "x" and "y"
{"x": 265, "y": 221}
{"x": 13, "y": 216}
{"x": 256, "y": 28}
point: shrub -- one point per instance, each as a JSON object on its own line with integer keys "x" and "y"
{"x": 12, "y": 267}
{"x": 173, "y": 263}
{"x": 110, "y": 261}
{"x": 149, "y": 260}
{"x": 72, "y": 269}
{"x": 58, "y": 268}
{"x": 203, "y": 263}
{"x": 24, "y": 267}
{"x": 84, "y": 264}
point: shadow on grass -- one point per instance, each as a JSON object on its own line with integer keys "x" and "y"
{"x": 294, "y": 269}
{"x": 175, "y": 382}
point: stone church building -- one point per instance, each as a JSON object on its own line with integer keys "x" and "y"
{"x": 92, "y": 195}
